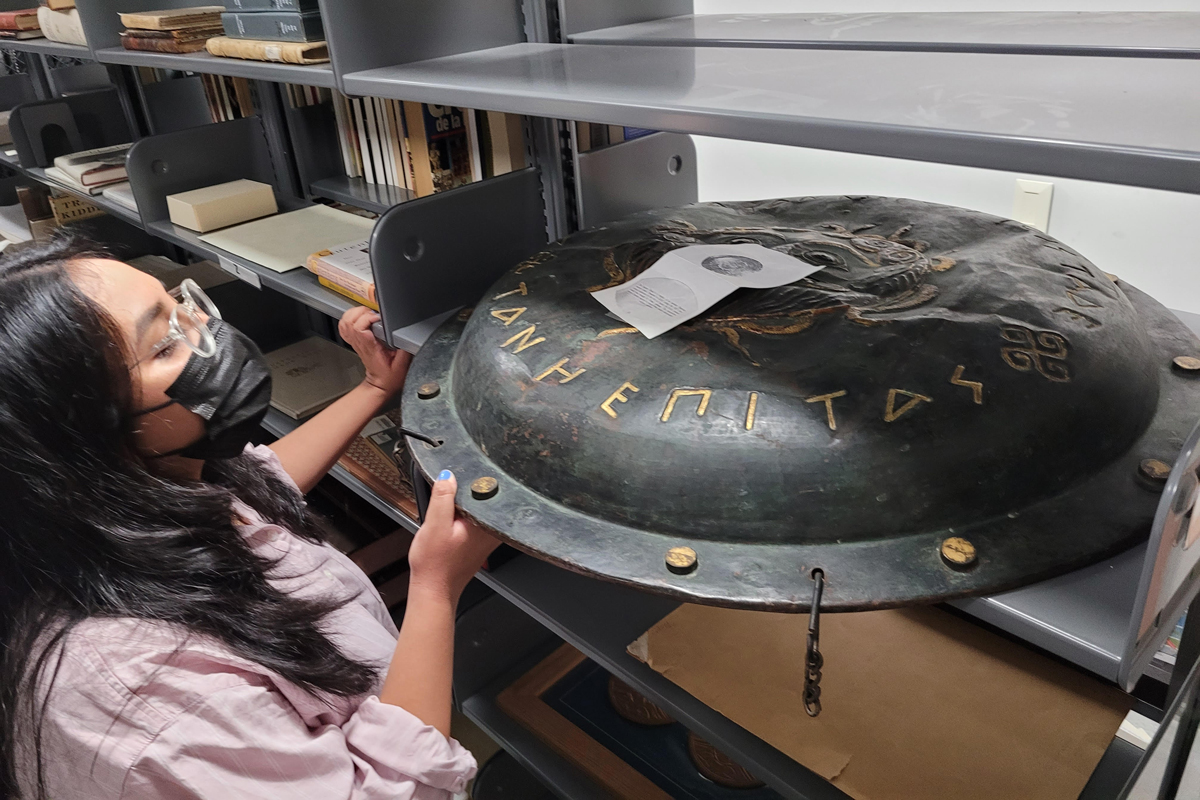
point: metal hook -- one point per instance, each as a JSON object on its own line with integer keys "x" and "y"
{"x": 813, "y": 661}
{"x": 420, "y": 437}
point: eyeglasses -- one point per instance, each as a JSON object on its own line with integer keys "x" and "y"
{"x": 185, "y": 325}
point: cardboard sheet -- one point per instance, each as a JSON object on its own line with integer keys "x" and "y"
{"x": 916, "y": 702}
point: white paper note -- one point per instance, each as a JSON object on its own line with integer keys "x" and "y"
{"x": 689, "y": 280}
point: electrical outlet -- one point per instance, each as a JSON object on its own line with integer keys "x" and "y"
{"x": 1031, "y": 203}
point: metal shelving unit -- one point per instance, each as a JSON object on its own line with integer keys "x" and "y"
{"x": 46, "y": 47}
{"x": 308, "y": 75}
{"x": 1115, "y": 120}
{"x": 1115, "y": 33}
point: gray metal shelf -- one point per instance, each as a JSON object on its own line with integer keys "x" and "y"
{"x": 550, "y": 768}
{"x": 279, "y": 425}
{"x": 308, "y": 75}
{"x": 46, "y": 47}
{"x": 1116, "y": 33}
{"x": 299, "y": 284}
{"x": 376, "y": 197}
{"x": 1116, "y": 120}
{"x": 601, "y": 619}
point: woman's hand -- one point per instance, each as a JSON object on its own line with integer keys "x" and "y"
{"x": 448, "y": 550}
{"x": 386, "y": 368}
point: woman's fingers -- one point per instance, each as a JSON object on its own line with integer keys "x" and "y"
{"x": 441, "y": 502}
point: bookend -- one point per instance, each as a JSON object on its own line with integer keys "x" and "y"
{"x": 77, "y": 78}
{"x": 655, "y": 171}
{"x": 438, "y": 253}
{"x": 46, "y": 129}
{"x": 16, "y": 89}
{"x": 199, "y": 157}
{"x": 175, "y": 105}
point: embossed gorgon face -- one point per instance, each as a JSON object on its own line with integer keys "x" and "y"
{"x": 862, "y": 273}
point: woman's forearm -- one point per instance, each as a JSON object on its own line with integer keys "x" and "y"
{"x": 419, "y": 678}
{"x": 309, "y": 452}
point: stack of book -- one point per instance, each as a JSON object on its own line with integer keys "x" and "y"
{"x": 288, "y": 31}
{"x": 60, "y": 22}
{"x": 178, "y": 30}
{"x": 21, "y": 24}
{"x": 91, "y": 171}
{"x": 346, "y": 269}
{"x": 422, "y": 147}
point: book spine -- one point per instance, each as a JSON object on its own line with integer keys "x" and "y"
{"x": 360, "y": 125}
{"x": 271, "y": 5}
{"x": 274, "y": 26}
{"x": 474, "y": 152}
{"x": 339, "y": 115}
{"x": 397, "y": 143}
{"x": 373, "y": 135}
{"x": 385, "y": 140}
{"x": 414, "y": 123}
{"x": 342, "y": 290}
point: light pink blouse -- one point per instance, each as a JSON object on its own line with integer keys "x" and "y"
{"x": 137, "y": 711}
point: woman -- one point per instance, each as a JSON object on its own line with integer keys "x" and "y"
{"x": 172, "y": 624}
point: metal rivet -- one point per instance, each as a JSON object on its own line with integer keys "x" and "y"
{"x": 428, "y": 391}
{"x": 485, "y": 487}
{"x": 681, "y": 560}
{"x": 1112, "y": 277}
{"x": 958, "y": 552}
{"x": 1154, "y": 469}
{"x": 1186, "y": 363}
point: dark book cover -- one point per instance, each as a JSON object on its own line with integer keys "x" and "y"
{"x": 181, "y": 34}
{"x": 271, "y": 5}
{"x": 449, "y": 145}
{"x": 157, "y": 45}
{"x": 274, "y": 26}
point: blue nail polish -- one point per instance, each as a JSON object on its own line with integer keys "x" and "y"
{"x": 445, "y": 475}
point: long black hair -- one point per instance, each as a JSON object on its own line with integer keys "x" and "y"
{"x": 86, "y": 530}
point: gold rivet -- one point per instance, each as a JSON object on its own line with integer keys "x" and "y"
{"x": 485, "y": 487}
{"x": 681, "y": 560}
{"x": 1154, "y": 469}
{"x": 428, "y": 391}
{"x": 958, "y": 552}
{"x": 1186, "y": 363}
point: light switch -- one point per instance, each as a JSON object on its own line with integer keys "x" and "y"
{"x": 1031, "y": 203}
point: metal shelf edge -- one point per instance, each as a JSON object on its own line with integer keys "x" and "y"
{"x": 305, "y": 74}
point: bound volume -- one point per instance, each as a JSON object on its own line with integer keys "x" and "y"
{"x": 309, "y": 375}
{"x": 61, "y": 26}
{"x": 261, "y": 50}
{"x": 271, "y": 5}
{"x": 194, "y": 17}
{"x": 277, "y": 26}
{"x": 24, "y": 20}
{"x": 348, "y": 268}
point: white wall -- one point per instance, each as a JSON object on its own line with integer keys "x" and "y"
{"x": 1145, "y": 236}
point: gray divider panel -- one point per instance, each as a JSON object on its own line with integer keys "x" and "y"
{"x": 16, "y": 89}
{"x": 49, "y": 128}
{"x": 576, "y": 16}
{"x": 194, "y": 158}
{"x": 440, "y": 252}
{"x": 364, "y": 34}
{"x": 78, "y": 78}
{"x": 656, "y": 171}
{"x": 176, "y": 104}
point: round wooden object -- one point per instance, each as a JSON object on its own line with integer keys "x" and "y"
{"x": 633, "y": 707}
{"x": 718, "y": 767}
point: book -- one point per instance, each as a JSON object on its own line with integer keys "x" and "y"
{"x": 131, "y": 41}
{"x": 61, "y": 26}
{"x": 439, "y": 145}
{"x": 36, "y": 33}
{"x": 21, "y": 20}
{"x": 221, "y": 205}
{"x": 95, "y": 167}
{"x": 59, "y": 5}
{"x": 369, "y": 458}
{"x": 173, "y": 18}
{"x": 69, "y": 208}
{"x": 309, "y": 375}
{"x": 285, "y": 241}
{"x": 121, "y": 194}
{"x": 180, "y": 34}
{"x": 271, "y": 5}
{"x": 399, "y": 154}
{"x": 504, "y": 135}
{"x": 344, "y": 292}
{"x": 274, "y": 26}
{"x": 58, "y": 176}
{"x": 260, "y": 50}
{"x": 347, "y": 265}
{"x": 205, "y": 273}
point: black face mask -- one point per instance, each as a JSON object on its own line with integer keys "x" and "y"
{"x": 231, "y": 390}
